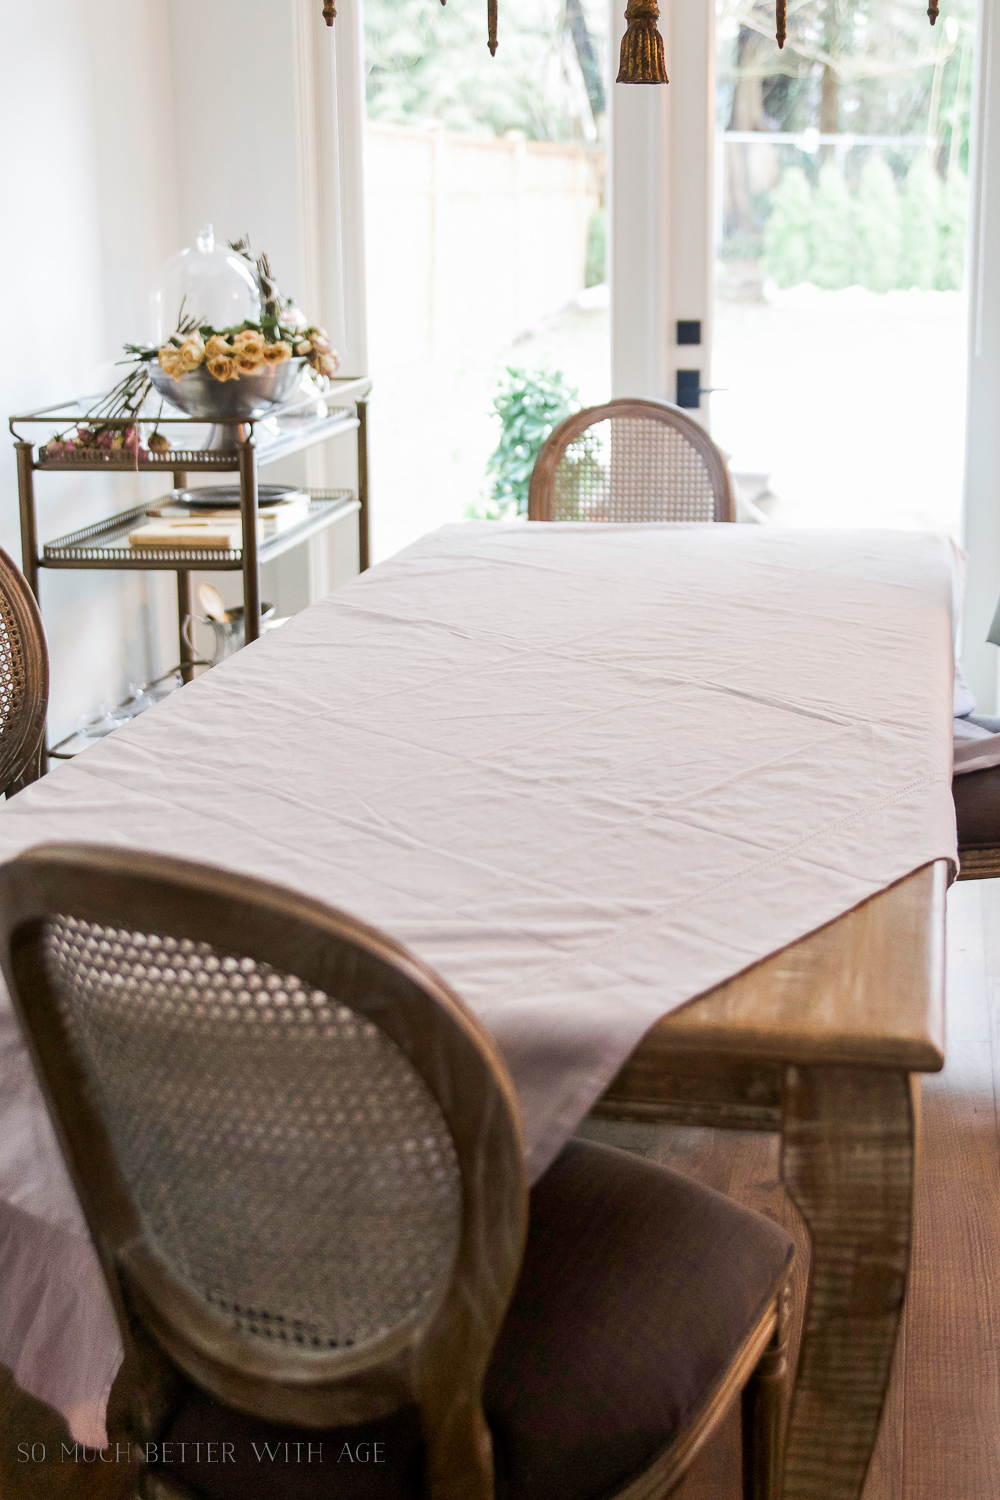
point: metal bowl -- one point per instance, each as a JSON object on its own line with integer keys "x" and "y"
{"x": 200, "y": 395}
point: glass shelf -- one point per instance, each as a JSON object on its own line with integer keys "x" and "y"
{"x": 298, "y": 424}
{"x": 105, "y": 543}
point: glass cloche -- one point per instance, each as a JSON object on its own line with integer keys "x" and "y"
{"x": 211, "y": 284}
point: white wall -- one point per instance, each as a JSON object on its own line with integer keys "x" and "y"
{"x": 274, "y": 167}
{"x": 88, "y": 191}
{"x": 982, "y": 472}
{"x": 124, "y": 126}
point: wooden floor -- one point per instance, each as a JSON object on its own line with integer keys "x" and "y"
{"x": 941, "y": 1436}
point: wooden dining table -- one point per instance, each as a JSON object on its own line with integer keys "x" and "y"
{"x": 669, "y": 807}
{"x": 824, "y": 1043}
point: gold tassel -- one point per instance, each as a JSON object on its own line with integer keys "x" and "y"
{"x": 642, "y": 59}
{"x": 329, "y": 11}
{"x": 932, "y": 11}
{"x": 491, "y": 20}
{"x": 781, "y": 16}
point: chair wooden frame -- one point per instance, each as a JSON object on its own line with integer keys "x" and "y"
{"x": 541, "y": 490}
{"x": 758, "y": 1374}
{"x": 437, "y": 1360}
{"x": 22, "y": 743}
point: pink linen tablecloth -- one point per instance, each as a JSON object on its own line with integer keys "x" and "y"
{"x": 586, "y": 772}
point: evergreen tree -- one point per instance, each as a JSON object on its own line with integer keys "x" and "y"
{"x": 920, "y": 220}
{"x": 788, "y": 231}
{"x": 951, "y": 230}
{"x": 832, "y": 230}
{"x": 877, "y": 227}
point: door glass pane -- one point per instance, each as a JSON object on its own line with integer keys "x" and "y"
{"x": 839, "y": 326}
{"x": 485, "y": 243}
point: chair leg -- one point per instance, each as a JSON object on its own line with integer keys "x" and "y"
{"x": 763, "y": 1412}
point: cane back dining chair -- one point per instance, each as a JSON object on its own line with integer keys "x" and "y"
{"x": 630, "y": 460}
{"x": 300, "y": 1159}
{"x": 24, "y": 680}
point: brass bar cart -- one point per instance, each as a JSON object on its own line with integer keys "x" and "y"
{"x": 241, "y": 447}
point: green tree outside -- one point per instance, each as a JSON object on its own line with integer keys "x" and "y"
{"x": 920, "y": 215}
{"x": 788, "y": 231}
{"x": 597, "y": 255}
{"x": 951, "y": 248}
{"x": 876, "y": 237}
{"x": 429, "y": 64}
{"x": 832, "y": 231}
{"x": 877, "y": 226}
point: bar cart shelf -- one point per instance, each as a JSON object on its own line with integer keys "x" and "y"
{"x": 106, "y": 545}
{"x": 230, "y": 446}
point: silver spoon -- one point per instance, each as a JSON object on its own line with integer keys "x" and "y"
{"x": 211, "y": 602}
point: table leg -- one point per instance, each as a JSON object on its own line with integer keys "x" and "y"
{"x": 847, "y": 1161}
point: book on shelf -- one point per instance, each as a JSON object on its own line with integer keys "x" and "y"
{"x": 188, "y": 531}
{"x": 218, "y": 529}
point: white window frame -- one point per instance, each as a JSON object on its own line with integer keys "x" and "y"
{"x": 981, "y": 522}
{"x": 661, "y": 208}
{"x": 661, "y": 162}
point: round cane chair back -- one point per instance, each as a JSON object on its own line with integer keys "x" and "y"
{"x": 24, "y": 679}
{"x": 298, "y": 1152}
{"x": 630, "y": 460}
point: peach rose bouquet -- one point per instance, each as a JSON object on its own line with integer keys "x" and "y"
{"x": 249, "y": 349}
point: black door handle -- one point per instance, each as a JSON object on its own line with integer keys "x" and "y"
{"x": 690, "y": 389}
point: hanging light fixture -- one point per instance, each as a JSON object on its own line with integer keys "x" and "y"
{"x": 642, "y": 59}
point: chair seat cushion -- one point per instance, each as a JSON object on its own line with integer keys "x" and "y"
{"x": 977, "y": 809}
{"x": 638, "y": 1287}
